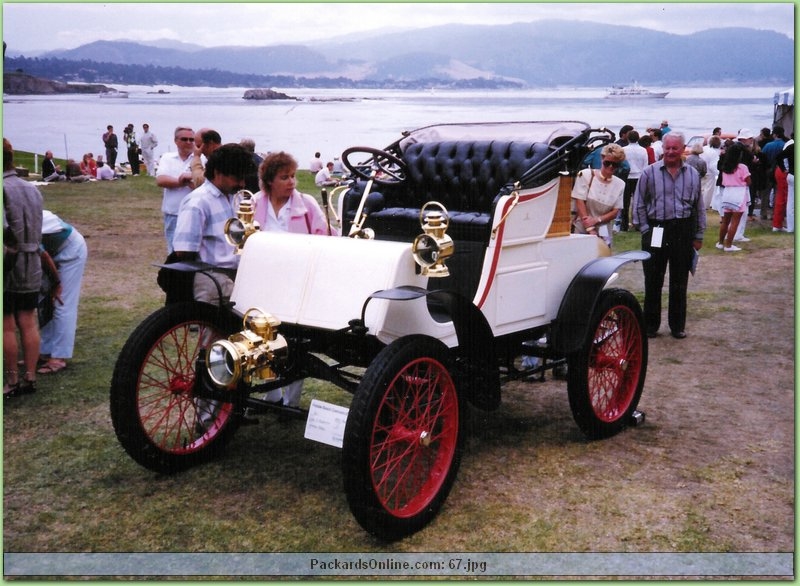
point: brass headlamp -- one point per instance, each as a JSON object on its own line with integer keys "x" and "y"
{"x": 434, "y": 246}
{"x": 239, "y": 229}
{"x": 253, "y": 353}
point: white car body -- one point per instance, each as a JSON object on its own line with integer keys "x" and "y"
{"x": 323, "y": 282}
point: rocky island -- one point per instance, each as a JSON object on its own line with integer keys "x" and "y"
{"x": 265, "y": 94}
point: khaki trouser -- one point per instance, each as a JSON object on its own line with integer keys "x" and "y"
{"x": 207, "y": 289}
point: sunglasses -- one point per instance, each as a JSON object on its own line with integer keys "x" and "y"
{"x": 186, "y": 138}
{"x": 610, "y": 164}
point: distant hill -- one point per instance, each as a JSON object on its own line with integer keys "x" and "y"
{"x": 536, "y": 54}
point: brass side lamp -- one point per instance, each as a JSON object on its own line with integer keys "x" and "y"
{"x": 253, "y": 353}
{"x": 239, "y": 229}
{"x": 433, "y": 246}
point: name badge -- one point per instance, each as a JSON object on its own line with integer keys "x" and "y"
{"x": 657, "y": 237}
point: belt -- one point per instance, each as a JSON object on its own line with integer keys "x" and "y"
{"x": 655, "y": 222}
{"x": 227, "y": 272}
{"x": 29, "y": 247}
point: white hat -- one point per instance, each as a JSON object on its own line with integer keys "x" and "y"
{"x": 745, "y": 133}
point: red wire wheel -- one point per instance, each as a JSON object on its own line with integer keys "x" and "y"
{"x": 606, "y": 376}
{"x": 157, "y": 415}
{"x": 403, "y": 438}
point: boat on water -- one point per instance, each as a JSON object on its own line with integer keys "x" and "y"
{"x": 162, "y": 92}
{"x": 113, "y": 94}
{"x": 633, "y": 91}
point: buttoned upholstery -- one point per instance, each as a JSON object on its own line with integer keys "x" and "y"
{"x": 466, "y": 177}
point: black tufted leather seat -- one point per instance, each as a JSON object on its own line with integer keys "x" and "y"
{"x": 465, "y": 177}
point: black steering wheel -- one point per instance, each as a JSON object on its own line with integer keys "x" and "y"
{"x": 381, "y": 167}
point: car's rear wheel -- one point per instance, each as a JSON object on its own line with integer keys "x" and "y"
{"x": 606, "y": 376}
{"x": 403, "y": 438}
{"x": 155, "y": 410}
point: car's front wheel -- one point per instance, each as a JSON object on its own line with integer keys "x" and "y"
{"x": 403, "y": 438}
{"x": 606, "y": 376}
{"x": 157, "y": 415}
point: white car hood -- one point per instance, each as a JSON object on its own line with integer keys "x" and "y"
{"x": 319, "y": 281}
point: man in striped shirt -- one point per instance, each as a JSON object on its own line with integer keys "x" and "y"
{"x": 200, "y": 228}
{"x": 669, "y": 212}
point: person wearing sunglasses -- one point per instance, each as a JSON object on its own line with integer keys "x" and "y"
{"x": 598, "y": 195}
{"x": 175, "y": 177}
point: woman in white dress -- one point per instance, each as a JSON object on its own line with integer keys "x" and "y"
{"x": 598, "y": 195}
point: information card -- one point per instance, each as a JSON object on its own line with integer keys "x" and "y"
{"x": 325, "y": 423}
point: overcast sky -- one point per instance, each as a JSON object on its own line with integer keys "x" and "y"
{"x": 35, "y": 27}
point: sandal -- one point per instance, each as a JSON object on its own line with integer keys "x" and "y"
{"x": 52, "y": 366}
{"x": 25, "y": 387}
{"x": 39, "y": 363}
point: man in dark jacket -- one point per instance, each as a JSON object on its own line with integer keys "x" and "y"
{"x": 111, "y": 143}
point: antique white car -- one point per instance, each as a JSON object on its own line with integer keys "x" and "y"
{"x": 456, "y": 272}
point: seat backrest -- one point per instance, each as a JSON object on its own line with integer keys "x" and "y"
{"x": 465, "y": 176}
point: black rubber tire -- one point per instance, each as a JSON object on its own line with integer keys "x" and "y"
{"x": 606, "y": 376}
{"x": 400, "y": 458}
{"x": 153, "y": 408}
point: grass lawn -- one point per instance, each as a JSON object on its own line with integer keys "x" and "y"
{"x": 70, "y": 487}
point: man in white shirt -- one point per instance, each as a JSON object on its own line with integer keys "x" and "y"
{"x": 324, "y": 178}
{"x": 175, "y": 176}
{"x": 104, "y": 172}
{"x": 657, "y": 146}
{"x": 148, "y": 143}
{"x": 636, "y": 155}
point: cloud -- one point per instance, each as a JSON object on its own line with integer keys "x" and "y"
{"x": 34, "y": 27}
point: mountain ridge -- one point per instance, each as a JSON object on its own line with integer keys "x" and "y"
{"x": 534, "y": 54}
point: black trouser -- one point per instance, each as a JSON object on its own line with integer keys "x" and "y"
{"x": 133, "y": 159}
{"x": 676, "y": 251}
{"x": 111, "y": 157}
{"x": 627, "y": 195}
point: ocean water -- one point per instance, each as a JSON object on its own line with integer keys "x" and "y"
{"x": 330, "y": 121}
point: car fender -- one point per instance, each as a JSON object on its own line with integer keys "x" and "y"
{"x": 475, "y": 366}
{"x": 570, "y": 327}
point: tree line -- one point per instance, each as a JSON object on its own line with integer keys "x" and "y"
{"x": 87, "y": 71}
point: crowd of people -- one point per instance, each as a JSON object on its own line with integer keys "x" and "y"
{"x": 646, "y": 181}
{"x": 140, "y": 154}
{"x": 651, "y": 182}
{"x": 139, "y": 150}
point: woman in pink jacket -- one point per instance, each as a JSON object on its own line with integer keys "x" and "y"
{"x": 280, "y": 206}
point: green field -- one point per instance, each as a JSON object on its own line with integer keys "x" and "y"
{"x": 70, "y": 487}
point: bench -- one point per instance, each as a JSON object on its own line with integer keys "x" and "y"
{"x": 466, "y": 177}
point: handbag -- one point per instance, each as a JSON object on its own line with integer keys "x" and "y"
{"x": 734, "y": 197}
{"x": 46, "y": 307}
{"x": 577, "y": 223}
